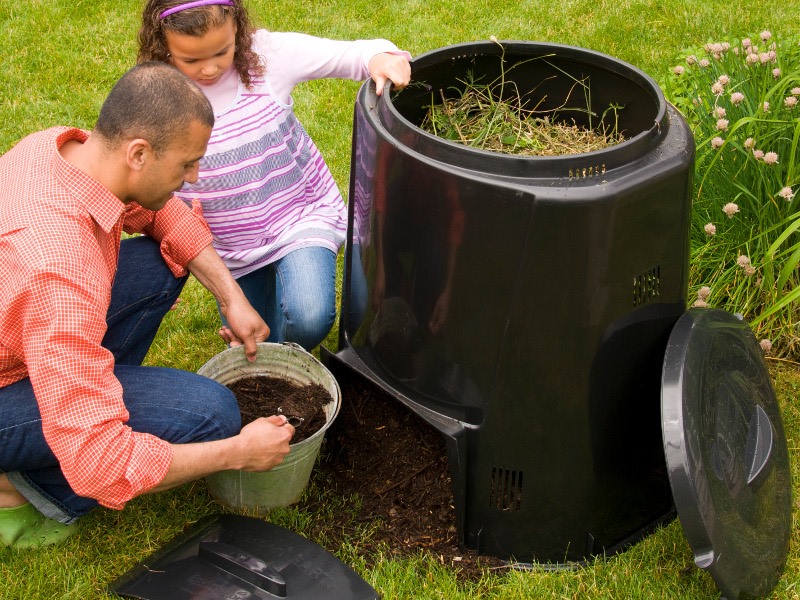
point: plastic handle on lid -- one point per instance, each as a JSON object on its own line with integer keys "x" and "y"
{"x": 245, "y": 566}
{"x": 758, "y": 452}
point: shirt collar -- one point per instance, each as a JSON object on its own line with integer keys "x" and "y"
{"x": 104, "y": 207}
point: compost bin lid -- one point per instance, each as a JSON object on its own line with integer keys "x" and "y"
{"x": 231, "y": 556}
{"x": 726, "y": 452}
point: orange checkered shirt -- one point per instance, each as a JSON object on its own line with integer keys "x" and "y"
{"x": 59, "y": 244}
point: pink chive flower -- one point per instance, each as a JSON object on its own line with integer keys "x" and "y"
{"x": 765, "y": 106}
{"x": 722, "y": 124}
{"x": 704, "y": 62}
{"x": 776, "y": 73}
{"x": 766, "y": 346}
{"x": 771, "y": 158}
{"x": 730, "y": 209}
{"x": 751, "y": 58}
{"x": 758, "y": 154}
{"x": 790, "y": 101}
{"x": 691, "y": 59}
{"x": 737, "y": 97}
{"x": 749, "y": 270}
{"x": 743, "y": 261}
{"x": 786, "y": 193}
{"x": 717, "y": 142}
{"x": 746, "y": 43}
{"x": 702, "y": 296}
{"x": 796, "y": 91}
{"x": 765, "y": 35}
{"x": 679, "y": 70}
{"x": 717, "y": 88}
{"x": 710, "y": 229}
{"x": 724, "y": 79}
{"x": 719, "y": 112}
{"x": 749, "y": 143}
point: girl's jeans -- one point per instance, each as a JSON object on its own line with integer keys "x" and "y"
{"x": 296, "y": 295}
{"x": 175, "y": 405}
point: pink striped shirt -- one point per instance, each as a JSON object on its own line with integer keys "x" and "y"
{"x": 264, "y": 187}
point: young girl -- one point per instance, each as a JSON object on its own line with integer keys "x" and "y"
{"x": 275, "y": 212}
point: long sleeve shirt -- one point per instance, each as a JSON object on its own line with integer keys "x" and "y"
{"x": 59, "y": 244}
{"x": 263, "y": 184}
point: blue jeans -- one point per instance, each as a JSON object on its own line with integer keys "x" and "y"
{"x": 296, "y": 295}
{"x": 174, "y": 405}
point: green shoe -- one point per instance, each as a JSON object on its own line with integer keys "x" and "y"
{"x": 25, "y": 527}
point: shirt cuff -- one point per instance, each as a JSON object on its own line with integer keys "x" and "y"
{"x": 185, "y": 236}
{"x": 147, "y": 467}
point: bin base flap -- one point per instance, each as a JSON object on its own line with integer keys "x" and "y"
{"x": 231, "y": 556}
{"x": 726, "y": 452}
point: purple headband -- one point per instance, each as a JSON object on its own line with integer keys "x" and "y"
{"x": 188, "y": 5}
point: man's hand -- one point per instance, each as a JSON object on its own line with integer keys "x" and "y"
{"x": 260, "y": 446}
{"x": 266, "y": 442}
{"x": 245, "y": 327}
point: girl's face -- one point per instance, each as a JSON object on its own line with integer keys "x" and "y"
{"x": 203, "y": 58}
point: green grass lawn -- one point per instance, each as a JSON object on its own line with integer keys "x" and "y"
{"x": 58, "y": 59}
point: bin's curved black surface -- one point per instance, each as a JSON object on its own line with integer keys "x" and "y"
{"x": 522, "y": 305}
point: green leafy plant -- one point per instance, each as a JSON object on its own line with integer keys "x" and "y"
{"x": 743, "y": 103}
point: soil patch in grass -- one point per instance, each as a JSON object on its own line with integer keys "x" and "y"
{"x": 397, "y": 464}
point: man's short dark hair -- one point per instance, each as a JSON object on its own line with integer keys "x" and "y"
{"x": 153, "y": 101}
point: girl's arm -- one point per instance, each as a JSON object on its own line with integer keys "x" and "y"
{"x": 292, "y": 58}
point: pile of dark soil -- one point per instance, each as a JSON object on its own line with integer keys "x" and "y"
{"x": 262, "y": 396}
{"x": 397, "y": 464}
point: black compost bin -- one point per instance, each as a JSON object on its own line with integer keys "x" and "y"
{"x": 522, "y": 305}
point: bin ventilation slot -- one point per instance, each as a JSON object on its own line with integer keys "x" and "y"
{"x": 646, "y": 286}
{"x": 591, "y": 171}
{"x": 505, "y": 492}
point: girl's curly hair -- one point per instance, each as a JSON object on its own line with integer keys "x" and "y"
{"x": 196, "y": 22}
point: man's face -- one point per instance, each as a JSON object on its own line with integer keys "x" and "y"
{"x": 166, "y": 173}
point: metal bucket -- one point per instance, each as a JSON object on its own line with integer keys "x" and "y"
{"x": 282, "y": 485}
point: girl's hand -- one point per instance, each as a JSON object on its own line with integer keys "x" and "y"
{"x": 387, "y": 66}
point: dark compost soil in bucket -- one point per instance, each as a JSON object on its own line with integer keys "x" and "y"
{"x": 397, "y": 465}
{"x": 262, "y": 396}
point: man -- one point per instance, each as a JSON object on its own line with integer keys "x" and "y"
{"x": 81, "y": 421}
